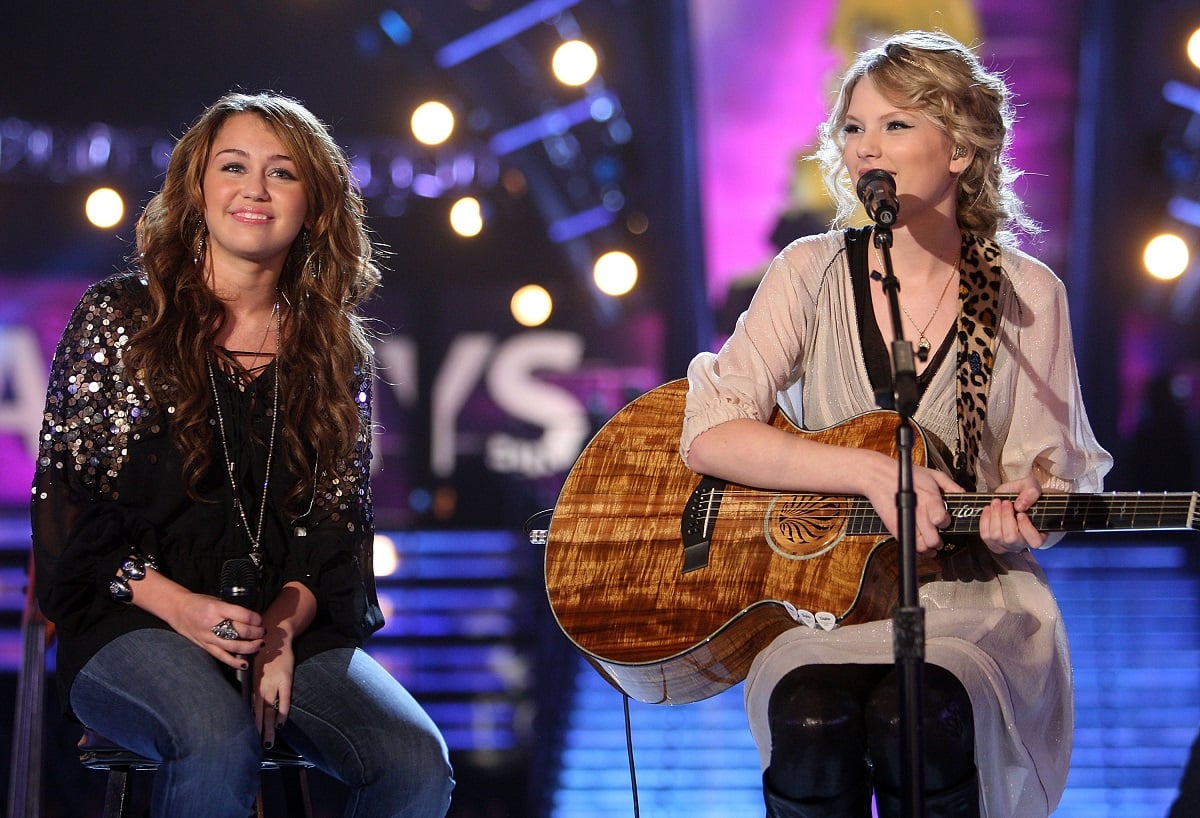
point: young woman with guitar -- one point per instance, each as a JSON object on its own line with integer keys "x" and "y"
{"x": 998, "y": 389}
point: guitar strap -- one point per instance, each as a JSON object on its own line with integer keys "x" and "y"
{"x": 978, "y": 318}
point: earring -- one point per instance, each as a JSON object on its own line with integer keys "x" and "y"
{"x": 311, "y": 263}
{"x": 959, "y": 151}
{"x": 202, "y": 233}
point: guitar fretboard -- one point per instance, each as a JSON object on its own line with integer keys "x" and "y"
{"x": 1113, "y": 511}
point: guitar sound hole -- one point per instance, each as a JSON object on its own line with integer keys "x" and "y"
{"x": 803, "y": 526}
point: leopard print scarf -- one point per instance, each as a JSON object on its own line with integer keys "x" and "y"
{"x": 978, "y": 320}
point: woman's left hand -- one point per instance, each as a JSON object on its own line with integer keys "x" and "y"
{"x": 1004, "y": 526}
{"x": 273, "y": 670}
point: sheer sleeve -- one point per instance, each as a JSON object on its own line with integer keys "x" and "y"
{"x": 766, "y": 350}
{"x": 1036, "y": 414}
{"x": 332, "y": 552}
{"x": 80, "y": 532}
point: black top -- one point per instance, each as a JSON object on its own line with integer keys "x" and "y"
{"x": 109, "y": 481}
{"x": 876, "y": 351}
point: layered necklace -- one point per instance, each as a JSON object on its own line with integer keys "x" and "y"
{"x": 923, "y": 345}
{"x": 253, "y": 534}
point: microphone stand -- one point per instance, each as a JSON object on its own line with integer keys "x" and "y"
{"x": 908, "y": 620}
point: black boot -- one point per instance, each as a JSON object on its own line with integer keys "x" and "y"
{"x": 959, "y": 801}
{"x": 855, "y": 803}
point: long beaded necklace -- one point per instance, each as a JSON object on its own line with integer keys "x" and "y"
{"x": 923, "y": 345}
{"x": 255, "y": 536}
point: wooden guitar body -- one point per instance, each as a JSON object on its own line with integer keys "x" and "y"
{"x": 615, "y": 557}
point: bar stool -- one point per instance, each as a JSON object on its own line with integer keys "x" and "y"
{"x": 95, "y": 751}
{"x": 98, "y": 753}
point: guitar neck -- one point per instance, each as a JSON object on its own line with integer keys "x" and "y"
{"x": 1114, "y": 511}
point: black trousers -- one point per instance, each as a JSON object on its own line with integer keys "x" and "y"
{"x": 835, "y": 731}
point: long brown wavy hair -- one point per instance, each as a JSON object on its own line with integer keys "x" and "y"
{"x": 935, "y": 74}
{"x": 328, "y": 274}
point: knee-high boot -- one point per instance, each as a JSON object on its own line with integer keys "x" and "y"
{"x": 959, "y": 801}
{"x": 855, "y": 803}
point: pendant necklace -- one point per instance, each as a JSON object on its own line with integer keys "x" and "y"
{"x": 923, "y": 345}
{"x": 255, "y": 535}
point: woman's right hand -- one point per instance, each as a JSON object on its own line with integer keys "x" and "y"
{"x": 194, "y": 616}
{"x": 932, "y": 514}
{"x": 199, "y": 618}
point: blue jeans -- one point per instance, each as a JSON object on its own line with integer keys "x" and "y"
{"x": 156, "y": 693}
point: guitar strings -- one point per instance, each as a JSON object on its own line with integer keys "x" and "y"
{"x": 1173, "y": 500}
{"x": 1049, "y": 507}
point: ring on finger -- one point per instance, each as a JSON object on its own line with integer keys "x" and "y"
{"x": 225, "y": 630}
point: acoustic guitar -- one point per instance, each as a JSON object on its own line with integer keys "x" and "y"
{"x": 669, "y": 582}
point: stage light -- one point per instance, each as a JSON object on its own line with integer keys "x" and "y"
{"x": 1184, "y": 210}
{"x": 385, "y": 558}
{"x": 615, "y": 273}
{"x": 579, "y": 224}
{"x": 499, "y": 30}
{"x": 531, "y": 305}
{"x": 432, "y": 122}
{"x": 362, "y": 173}
{"x": 104, "y": 207}
{"x": 603, "y": 108}
{"x": 466, "y": 217}
{"x": 99, "y": 148}
{"x": 613, "y": 199}
{"x": 637, "y": 223}
{"x": 395, "y": 27}
{"x": 1166, "y": 256}
{"x": 1193, "y": 48}
{"x": 574, "y": 63}
{"x": 550, "y": 123}
{"x": 514, "y": 182}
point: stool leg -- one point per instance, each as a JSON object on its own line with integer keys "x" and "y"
{"x": 116, "y": 793}
{"x": 295, "y": 792}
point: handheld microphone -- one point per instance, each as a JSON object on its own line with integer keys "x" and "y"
{"x": 877, "y": 191}
{"x": 239, "y": 585}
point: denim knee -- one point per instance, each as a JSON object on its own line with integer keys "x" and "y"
{"x": 363, "y": 728}
{"x": 224, "y": 737}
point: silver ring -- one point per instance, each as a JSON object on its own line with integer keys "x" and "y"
{"x": 225, "y": 630}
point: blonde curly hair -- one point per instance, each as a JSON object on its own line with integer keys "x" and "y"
{"x": 936, "y": 75}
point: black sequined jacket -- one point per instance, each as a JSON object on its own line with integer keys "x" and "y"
{"x": 109, "y": 482}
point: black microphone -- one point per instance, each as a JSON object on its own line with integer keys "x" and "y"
{"x": 877, "y": 191}
{"x": 239, "y": 585}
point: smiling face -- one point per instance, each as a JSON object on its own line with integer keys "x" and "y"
{"x": 907, "y": 144}
{"x": 254, "y": 200}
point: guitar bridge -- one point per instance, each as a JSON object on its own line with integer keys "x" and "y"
{"x": 696, "y": 524}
